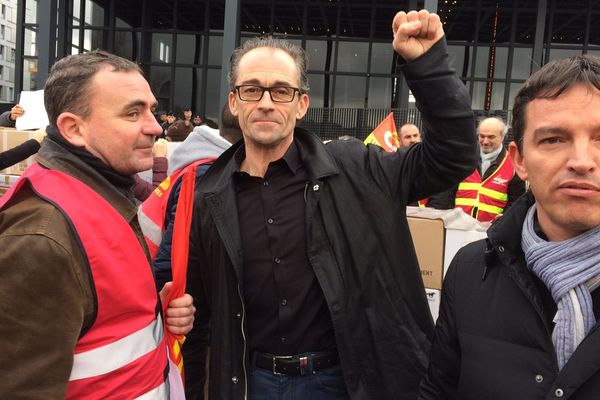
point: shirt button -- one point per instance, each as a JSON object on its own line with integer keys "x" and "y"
{"x": 559, "y": 393}
{"x": 270, "y": 220}
{"x": 539, "y": 378}
{"x": 277, "y": 260}
{"x": 235, "y": 380}
{"x": 501, "y": 249}
{"x": 266, "y": 183}
{"x": 284, "y": 302}
{"x": 283, "y": 339}
{"x": 239, "y": 315}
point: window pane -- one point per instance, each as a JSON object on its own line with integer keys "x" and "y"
{"x": 160, "y": 83}
{"x": 316, "y": 94}
{"x": 352, "y": 57}
{"x": 31, "y": 11}
{"x": 478, "y": 97}
{"x": 127, "y": 44}
{"x": 456, "y": 58}
{"x": 161, "y": 47}
{"x": 382, "y": 58}
{"x": 556, "y": 54}
{"x": 93, "y": 39}
{"x": 288, "y": 18}
{"x": 160, "y": 14}
{"x": 94, "y": 13}
{"x": 215, "y": 50}
{"x": 497, "y": 99}
{"x": 213, "y": 86}
{"x": 30, "y": 70}
{"x": 350, "y": 91}
{"x": 521, "y": 68}
{"x": 317, "y": 54}
{"x": 183, "y": 90}
{"x": 189, "y": 49}
{"x": 514, "y": 88}
{"x": 481, "y": 67}
{"x": 380, "y": 92}
{"x": 500, "y": 61}
{"x": 29, "y": 47}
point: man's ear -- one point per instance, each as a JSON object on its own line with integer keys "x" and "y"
{"x": 302, "y": 106}
{"x": 232, "y": 104}
{"x": 517, "y": 160}
{"x": 72, "y": 128}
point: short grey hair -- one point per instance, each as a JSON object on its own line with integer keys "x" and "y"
{"x": 296, "y": 52}
{"x": 503, "y": 125}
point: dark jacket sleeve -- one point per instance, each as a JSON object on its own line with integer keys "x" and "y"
{"x": 6, "y": 121}
{"x": 448, "y": 152}
{"x": 141, "y": 188}
{"x": 441, "y": 380}
{"x": 443, "y": 200}
{"x": 17, "y": 154}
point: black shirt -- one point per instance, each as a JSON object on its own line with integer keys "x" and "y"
{"x": 285, "y": 306}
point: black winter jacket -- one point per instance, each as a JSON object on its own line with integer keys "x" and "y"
{"x": 358, "y": 245}
{"x": 493, "y": 335}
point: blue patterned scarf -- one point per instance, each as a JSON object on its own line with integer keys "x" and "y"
{"x": 570, "y": 269}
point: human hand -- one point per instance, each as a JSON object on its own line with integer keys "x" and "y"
{"x": 179, "y": 316}
{"x": 39, "y": 135}
{"x": 160, "y": 148}
{"x": 16, "y": 112}
{"x": 415, "y": 33}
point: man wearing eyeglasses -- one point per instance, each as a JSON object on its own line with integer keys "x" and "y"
{"x": 301, "y": 261}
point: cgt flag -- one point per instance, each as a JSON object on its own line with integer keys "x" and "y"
{"x": 385, "y": 135}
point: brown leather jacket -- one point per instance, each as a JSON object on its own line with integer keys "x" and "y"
{"x": 46, "y": 297}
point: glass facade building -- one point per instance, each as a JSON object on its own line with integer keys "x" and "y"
{"x": 182, "y": 45}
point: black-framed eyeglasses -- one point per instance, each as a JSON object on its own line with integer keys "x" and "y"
{"x": 279, "y": 94}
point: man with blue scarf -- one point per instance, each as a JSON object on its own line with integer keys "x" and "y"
{"x": 519, "y": 310}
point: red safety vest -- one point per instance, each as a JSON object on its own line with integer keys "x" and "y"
{"x": 486, "y": 200}
{"x": 123, "y": 355}
{"x": 151, "y": 213}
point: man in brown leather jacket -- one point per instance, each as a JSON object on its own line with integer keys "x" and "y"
{"x": 48, "y": 300}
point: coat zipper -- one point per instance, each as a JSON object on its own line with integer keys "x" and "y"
{"x": 244, "y": 338}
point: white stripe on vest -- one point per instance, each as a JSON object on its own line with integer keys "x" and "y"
{"x": 160, "y": 393}
{"x": 151, "y": 231}
{"x": 118, "y": 354}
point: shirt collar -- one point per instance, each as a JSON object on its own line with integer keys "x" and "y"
{"x": 291, "y": 158}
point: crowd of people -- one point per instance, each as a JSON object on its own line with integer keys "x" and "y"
{"x": 287, "y": 262}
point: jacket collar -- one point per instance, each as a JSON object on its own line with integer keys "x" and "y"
{"x": 52, "y": 156}
{"x": 506, "y": 231}
{"x": 314, "y": 156}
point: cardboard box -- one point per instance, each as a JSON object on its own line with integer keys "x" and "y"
{"x": 433, "y": 298}
{"x": 437, "y": 236}
{"x": 6, "y": 181}
{"x": 10, "y": 138}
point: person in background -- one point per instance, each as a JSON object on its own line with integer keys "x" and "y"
{"x": 9, "y": 118}
{"x": 23, "y": 151}
{"x": 519, "y": 310}
{"x": 187, "y": 115}
{"x": 303, "y": 292}
{"x": 197, "y": 121}
{"x": 142, "y": 189}
{"x": 79, "y": 313}
{"x": 179, "y": 131}
{"x": 169, "y": 120}
{"x": 409, "y": 134}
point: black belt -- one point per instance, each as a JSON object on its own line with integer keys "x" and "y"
{"x": 299, "y": 364}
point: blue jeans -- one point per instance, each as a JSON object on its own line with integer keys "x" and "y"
{"x": 327, "y": 384}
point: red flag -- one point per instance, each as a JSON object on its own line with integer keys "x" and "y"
{"x": 385, "y": 135}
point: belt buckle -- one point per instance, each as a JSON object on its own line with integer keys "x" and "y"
{"x": 275, "y": 358}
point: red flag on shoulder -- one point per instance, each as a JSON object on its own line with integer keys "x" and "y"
{"x": 385, "y": 135}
